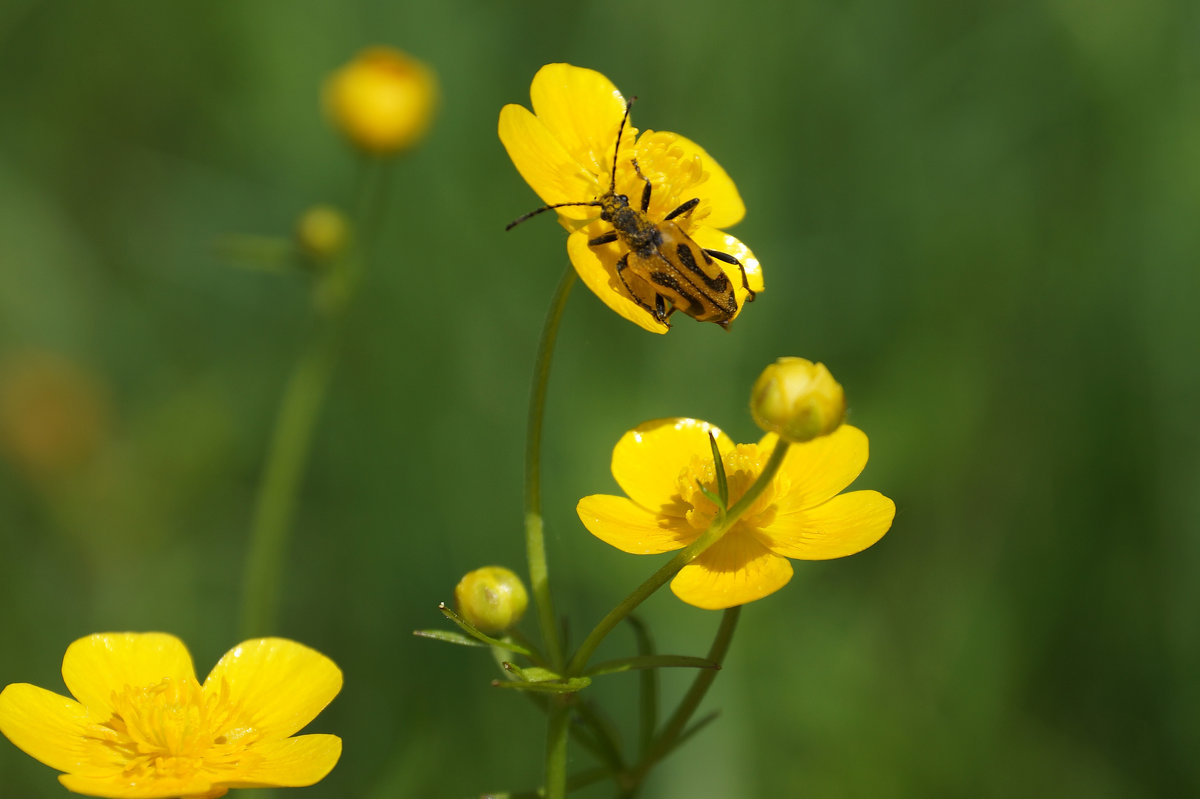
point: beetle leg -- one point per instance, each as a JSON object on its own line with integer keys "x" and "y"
{"x": 683, "y": 209}
{"x": 729, "y": 259}
{"x": 622, "y": 265}
{"x": 660, "y": 308}
{"x": 603, "y": 238}
{"x": 645, "y": 191}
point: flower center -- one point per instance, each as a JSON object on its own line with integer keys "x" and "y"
{"x": 676, "y": 177}
{"x": 742, "y": 467}
{"x": 175, "y": 730}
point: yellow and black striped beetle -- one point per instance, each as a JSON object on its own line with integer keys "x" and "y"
{"x": 670, "y": 271}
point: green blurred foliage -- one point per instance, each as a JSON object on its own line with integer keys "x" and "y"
{"x": 982, "y": 216}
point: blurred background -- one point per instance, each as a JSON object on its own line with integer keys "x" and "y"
{"x": 981, "y": 216}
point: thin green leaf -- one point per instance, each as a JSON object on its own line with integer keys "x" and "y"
{"x": 532, "y": 673}
{"x": 449, "y": 636}
{"x": 650, "y": 662}
{"x": 692, "y": 730}
{"x": 569, "y": 686}
{"x": 647, "y": 688}
{"x": 719, "y": 465}
{"x": 474, "y": 632}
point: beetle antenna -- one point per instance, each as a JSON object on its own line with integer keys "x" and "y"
{"x": 617, "y": 149}
{"x": 541, "y": 210}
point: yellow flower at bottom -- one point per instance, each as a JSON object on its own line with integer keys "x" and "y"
{"x": 663, "y": 466}
{"x": 142, "y": 726}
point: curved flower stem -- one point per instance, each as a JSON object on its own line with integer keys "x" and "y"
{"x": 298, "y": 412}
{"x": 668, "y": 570}
{"x": 276, "y": 503}
{"x": 669, "y": 737}
{"x": 556, "y": 747}
{"x": 535, "y": 540}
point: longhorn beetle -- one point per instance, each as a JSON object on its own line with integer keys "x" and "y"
{"x": 679, "y": 274}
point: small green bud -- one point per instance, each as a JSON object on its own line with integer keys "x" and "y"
{"x": 322, "y": 233}
{"x": 492, "y": 598}
{"x": 797, "y": 399}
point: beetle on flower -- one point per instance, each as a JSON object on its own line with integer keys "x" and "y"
{"x": 576, "y": 151}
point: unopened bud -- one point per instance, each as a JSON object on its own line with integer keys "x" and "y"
{"x": 383, "y": 100}
{"x": 797, "y": 399}
{"x": 492, "y": 598}
{"x": 322, "y": 232}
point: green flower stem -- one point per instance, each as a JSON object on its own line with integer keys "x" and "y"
{"x": 661, "y": 577}
{"x": 298, "y": 412}
{"x": 557, "y": 732}
{"x": 535, "y": 540}
{"x": 695, "y": 695}
{"x": 276, "y": 502}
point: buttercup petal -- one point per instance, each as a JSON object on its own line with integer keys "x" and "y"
{"x": 735, "y": 570}
{"x": 281, "y": 684}
{"x": 292, "y": 762}
{"x": 158, "y": 788}
{"x": 631, "y": 528}
{"x": 44, "y": 725}
{"x": 95, "y": 666}
{"x": 846, "y": 524}
{"x": 816, "y": 470}
{"x": 548, "y": 168}
{"x": 648, "y": 459}
{"x": 582, "y": 109}
{"x": 597, "y": 267}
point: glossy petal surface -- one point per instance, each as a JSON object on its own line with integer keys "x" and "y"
{"x": 95, "y": 666}
{"x": 631, "y": 528}
{"x": 817, "y": 470}
{"x": 582, "y": 109}
{"x": 647, "y": 461}
{"x": 46, "y": 726}
{"x": 844, "y": 525}
{"x": 735, "y": 570}
{"x": 287, "y": 684}
{"x": 548, "y": 168}
{"x": 294, "y": 762}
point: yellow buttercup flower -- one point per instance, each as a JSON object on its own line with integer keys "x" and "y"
{"x": 141, "y": 725}
{"x": 666, "y": 467}
{"x": 564, "y": 150}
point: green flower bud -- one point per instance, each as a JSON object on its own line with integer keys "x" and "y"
{"x": 492, "y": 598}
{"x": 797, "y": 399}
{"x": 322, "y": 233}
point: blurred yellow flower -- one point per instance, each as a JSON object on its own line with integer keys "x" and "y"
{"x": 564, "y": 150}
{"x": 54, "y": 414}
{"x": 383, "y": 100}
{"x": 666, "y": 466}
{"x": 142, "y": 726}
